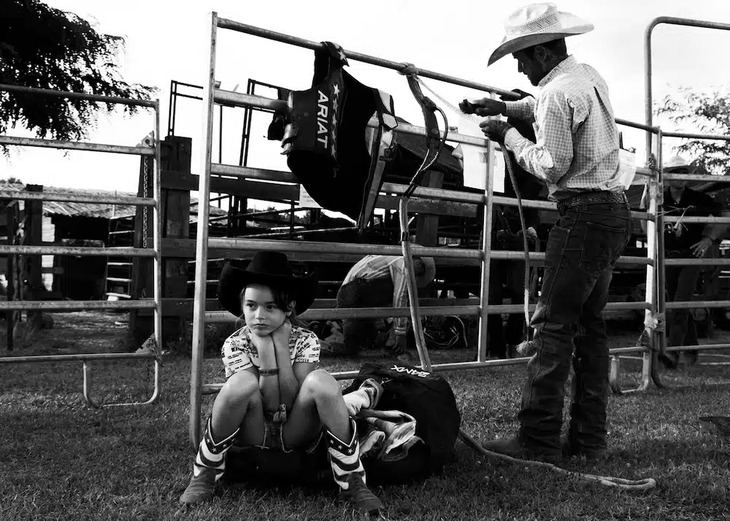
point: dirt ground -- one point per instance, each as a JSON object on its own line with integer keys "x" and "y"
{"x": 71, "y": 333}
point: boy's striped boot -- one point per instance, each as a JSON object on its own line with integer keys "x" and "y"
{"x": 349, "y": 474}
{"x": 208, "y": 467}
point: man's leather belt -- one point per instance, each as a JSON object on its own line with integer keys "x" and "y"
{"x": 586, "y": 198}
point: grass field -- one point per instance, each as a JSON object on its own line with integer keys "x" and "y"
{"x": 63, "y": 460}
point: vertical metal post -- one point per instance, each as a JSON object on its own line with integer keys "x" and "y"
{"x": 201, "y": 247}
{"x": 157, "y": 232}
{"x": 660, "y": 337}
{"x": 654, "y": 229}
{"x": 220, "y": 134}
{"x": 246, "y": 133}
{"x": 486, "y": 256}
{"x": 648, "y": 115}
{"x": 10, "y": 315}
{"x": 172, "y": 108}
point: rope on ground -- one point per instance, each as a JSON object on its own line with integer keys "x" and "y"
{"x": 609, "y": 481}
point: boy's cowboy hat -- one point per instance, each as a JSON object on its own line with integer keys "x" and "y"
{"x": 535, "y": 24}
{"x": 269, "y": 268}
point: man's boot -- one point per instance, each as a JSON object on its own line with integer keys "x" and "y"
{"x": 208, "y": 467}
{"x": 349, "y": 474}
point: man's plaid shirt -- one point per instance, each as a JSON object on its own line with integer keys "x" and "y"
{"x": 577, "y": 145}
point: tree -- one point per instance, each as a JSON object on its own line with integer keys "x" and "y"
{"x": 702, "y": 113}
{"x": 47, "y": 48}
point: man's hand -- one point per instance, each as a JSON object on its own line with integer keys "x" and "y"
{"x": 483, "y": 107}
{"x": 701, "y": 247}
{"x": 495, "y": 129}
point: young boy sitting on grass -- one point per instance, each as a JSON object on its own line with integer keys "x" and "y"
{"x": 275, "y": 396}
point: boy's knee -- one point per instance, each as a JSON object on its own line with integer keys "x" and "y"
{"x": 319, "y": 383}
{"x": 241, "y": 387}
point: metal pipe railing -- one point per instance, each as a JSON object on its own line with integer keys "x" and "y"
{"x": 481, "y": 257}
{"x": 224, "y": 23}
{"x": 93, "y": 251}
{"x": 74, "y": 145}
{"x": 75, "y": 305}
{"x": 201, "y": 247}
{"x": 79, "y": 95}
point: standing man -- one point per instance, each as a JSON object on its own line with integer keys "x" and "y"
{"x": 685, "y": 240}
{"x": 577, "y": 155}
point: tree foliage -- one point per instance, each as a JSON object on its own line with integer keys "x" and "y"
{"x": 47, "y": 48}
{"x": 702, "y": 113}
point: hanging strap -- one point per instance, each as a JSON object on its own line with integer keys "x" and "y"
{"x": 434, "y": 144}
{"x": 434, "y": 139}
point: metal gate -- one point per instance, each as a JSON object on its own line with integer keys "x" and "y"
{"x": 149, "y": 152}
{"x": 479, "y": 308}
{"x": 662, "y": 306}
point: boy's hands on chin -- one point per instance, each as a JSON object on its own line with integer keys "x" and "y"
{"x": 280, "y": 336}
{"x": 265, "y": 347}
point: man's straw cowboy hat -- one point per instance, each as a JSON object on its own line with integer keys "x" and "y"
{"x": 679, "y": 163}
{"x": 535, "y": 24}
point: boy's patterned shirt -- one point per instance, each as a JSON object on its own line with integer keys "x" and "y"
{"x": 239, "y": 353}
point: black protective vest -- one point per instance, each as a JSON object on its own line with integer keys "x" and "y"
{"x": 326, "y": 142}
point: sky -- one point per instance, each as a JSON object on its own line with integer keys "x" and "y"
{"x": 169, "y": 40}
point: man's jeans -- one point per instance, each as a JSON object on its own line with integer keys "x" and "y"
{"x": 360, "y": 333}
{"x": 581, "y": 252}
{"x": 681, "y": 282}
